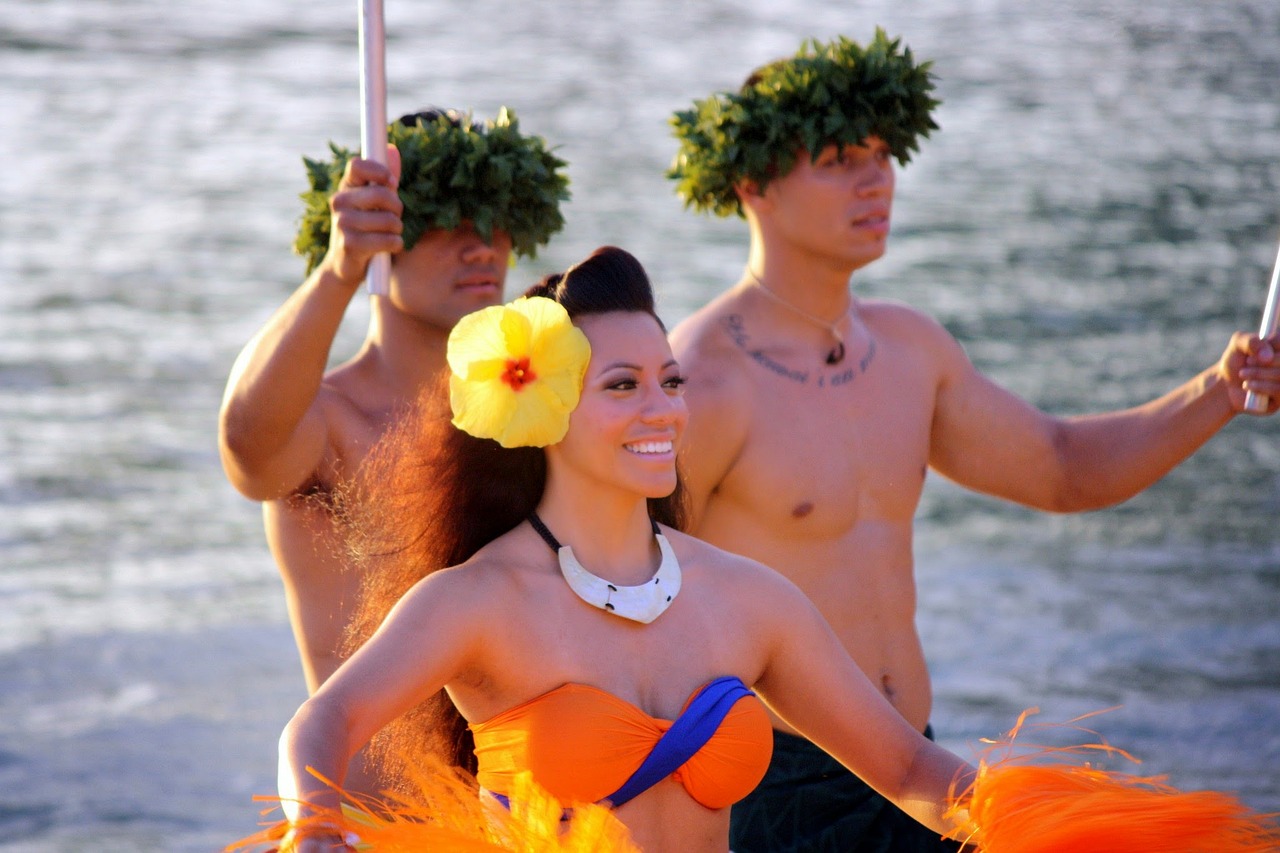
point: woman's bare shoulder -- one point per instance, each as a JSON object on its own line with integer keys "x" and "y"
{"x": 490, "y": 575}
{"x": 734, "y": 573}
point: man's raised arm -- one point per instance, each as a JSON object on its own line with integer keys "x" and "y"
{"x": 272, "y": 429}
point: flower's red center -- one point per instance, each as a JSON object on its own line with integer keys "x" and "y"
{"x": 518, "y": 373}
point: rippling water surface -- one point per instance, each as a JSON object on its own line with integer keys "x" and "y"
{"x": 1099, "y": 211}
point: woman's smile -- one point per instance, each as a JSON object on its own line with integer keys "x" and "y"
{"x": 651, "y": 448}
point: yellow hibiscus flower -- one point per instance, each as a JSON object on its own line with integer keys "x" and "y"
{"x": 517, "y": 372}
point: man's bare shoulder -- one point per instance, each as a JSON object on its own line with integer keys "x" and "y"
{"x": 897, "y": 320}
{"x": 358, "y": 410}
{"x": 891, "y": 313}
{"x": 703, "y": 330}
{"x": 719, "y": 395}
{"x": 353, "y": 387}
{"x": 706, "y": 350}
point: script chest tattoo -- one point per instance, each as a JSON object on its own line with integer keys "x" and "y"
{"x": 836, "y": 377}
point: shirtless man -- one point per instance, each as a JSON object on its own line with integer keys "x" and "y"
{"x": 290, "y": 432}
{"x": 816, "y": 414}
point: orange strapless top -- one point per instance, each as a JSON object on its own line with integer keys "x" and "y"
{"x": 582, "y": 744}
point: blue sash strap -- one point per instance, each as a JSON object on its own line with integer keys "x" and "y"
{"x": 688, "y": 734}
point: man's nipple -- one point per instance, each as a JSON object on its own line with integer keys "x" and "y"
{"x": 802, "y": 509}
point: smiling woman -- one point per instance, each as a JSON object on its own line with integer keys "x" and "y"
{"x": 632, "y": 413}
{"x": 436, "y": 493}
{"x": 534, "y": 613}
{"x": 527, "y": 548}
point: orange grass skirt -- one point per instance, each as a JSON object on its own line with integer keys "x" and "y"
{"x": 1063, "y": 805}
{"x": 445, "y": 811}
{"x": 1058, "y": 804}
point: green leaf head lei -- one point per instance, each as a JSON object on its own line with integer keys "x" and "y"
{"x": 453, "y": 169}
{"x": 837, "y": 93}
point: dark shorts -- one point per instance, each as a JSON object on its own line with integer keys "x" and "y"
{"x": 809, "y": 803}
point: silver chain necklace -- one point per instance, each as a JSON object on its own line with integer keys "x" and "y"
{"x": 837, "y": 352}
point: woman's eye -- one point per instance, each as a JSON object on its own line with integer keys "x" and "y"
{"x": 623, "y": 385}
{"x": 675, "y": 382}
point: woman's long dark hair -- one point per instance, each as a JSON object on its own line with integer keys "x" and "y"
{"x": 430, "y": 496}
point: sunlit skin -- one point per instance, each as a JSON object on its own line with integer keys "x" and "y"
{"x": 448, "y": 274}
{"x": 833, "y": 210}
{"x": 443, "y": 277}
{"x": 816, "y": 470}
{"x": 504, "y": 627}
{"x": 291, "y": 432}
{"x": 639, "y": 455}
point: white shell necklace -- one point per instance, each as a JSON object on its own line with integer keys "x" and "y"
{"x": 642, "y": 603}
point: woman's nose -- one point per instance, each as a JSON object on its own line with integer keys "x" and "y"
{"x": 662, "y": 407}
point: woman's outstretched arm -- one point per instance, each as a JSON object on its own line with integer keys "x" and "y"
{"x": 381, "y": 681}
{"x": 813, "y": 684}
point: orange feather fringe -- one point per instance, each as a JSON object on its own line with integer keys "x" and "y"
{"x": 446, "y": 812}
{"x": 1014, "y": 807}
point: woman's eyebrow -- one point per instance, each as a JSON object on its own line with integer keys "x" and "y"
{"x": 628, "y": 365}
{"x": 617, "y": 364}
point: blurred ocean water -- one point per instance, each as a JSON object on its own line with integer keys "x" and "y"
{"x": 1098, "y": 213}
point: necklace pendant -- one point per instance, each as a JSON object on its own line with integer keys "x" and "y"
{"x": 837, "y": 352}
